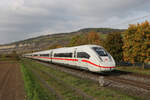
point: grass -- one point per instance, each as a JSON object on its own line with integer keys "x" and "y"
{"x": 134, "y": 69}
{"x": 34, "y": 90}
{"x": 67, "y": 93}
{"x": 7, "y": 59}
{"x": 87, "y": 86}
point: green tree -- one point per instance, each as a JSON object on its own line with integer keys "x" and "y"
{"x": 77, "y": 40}
{"x": 113, "y": 45}
{"x": 136, "y": 47}
{"x": 54, "y": 46}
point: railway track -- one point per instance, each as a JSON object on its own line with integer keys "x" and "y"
{"x": 133, "y": 87}
{"x": 145, "y": 86}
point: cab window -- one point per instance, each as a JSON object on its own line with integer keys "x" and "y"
{"x": 100, "y": 51}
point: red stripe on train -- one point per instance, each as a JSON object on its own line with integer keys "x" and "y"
{"x": 96, "y": 65}
{"x": 65, "y": 59}
{"x": 75, "y": 60}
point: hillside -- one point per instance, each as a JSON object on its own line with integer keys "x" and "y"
{"x": 46, "y": 41}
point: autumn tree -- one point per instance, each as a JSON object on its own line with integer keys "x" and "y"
{"x": 90, "y": 38}
{"x": 93, "y": 38}
{"x": 136, "y": 47}
{"x": 58, "y": 46}
{"x": 113, "y": 44}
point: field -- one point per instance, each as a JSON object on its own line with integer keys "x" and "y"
{"x": 29, "y": 80}
{"x": 11, "y": 83}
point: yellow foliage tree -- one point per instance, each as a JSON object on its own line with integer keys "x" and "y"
{"x": 136, "y": 39}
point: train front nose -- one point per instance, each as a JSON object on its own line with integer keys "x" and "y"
{"x": 106, "y": 61}
{"x": 107, "y": 64}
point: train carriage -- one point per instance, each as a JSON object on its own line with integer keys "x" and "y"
{"x": 89, "y": 57}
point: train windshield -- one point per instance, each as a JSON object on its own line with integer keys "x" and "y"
{"x": 100, "y": 51}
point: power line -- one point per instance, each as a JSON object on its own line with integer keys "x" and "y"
{"x": 129, "y": 21}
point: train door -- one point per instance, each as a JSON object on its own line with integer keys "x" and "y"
{"x": 51, "y": 56}
{"x": 82, "y": 56}
{"x": 74, "y": 63}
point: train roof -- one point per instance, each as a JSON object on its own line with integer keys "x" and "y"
{"x": 81, "y": 46}
{"x": 89, "y": 45}
{"x": 57, "y": 49}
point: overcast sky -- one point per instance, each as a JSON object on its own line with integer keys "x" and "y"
{"x": 22, "y": 19}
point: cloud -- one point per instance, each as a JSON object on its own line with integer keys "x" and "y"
{"x": 22, "y": 19}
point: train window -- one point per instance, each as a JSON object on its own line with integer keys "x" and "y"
{"x": 83, "y": 55}
{"x": 63, "y": 55}
{"x": 56, "y": 55}
{"x": 44, "y": 55}
{"x": 68, "y": 54}
{"x": 100, "y": 51}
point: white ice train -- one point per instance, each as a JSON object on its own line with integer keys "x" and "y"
{"x": 89, "y": 57}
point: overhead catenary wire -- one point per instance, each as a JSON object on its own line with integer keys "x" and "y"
{"x": 130, "y": 21}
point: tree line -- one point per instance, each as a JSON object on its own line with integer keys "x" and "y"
{"x": 132, "y": 45}
{"x": 13, "y": 55}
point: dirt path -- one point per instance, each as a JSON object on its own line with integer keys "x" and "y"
{"x": 11, "y": 83}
